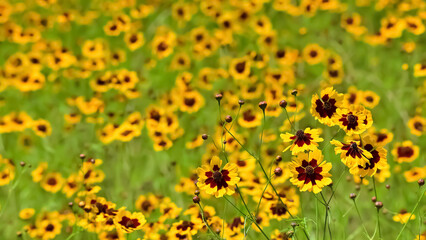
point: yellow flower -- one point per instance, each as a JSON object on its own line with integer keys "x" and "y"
{"x": 417, "y": 125}
{"x": 352, "y": 154}
{"x": 129, "y": 222}
{"x": 405, "y": 151}
{"x": 324, "y": 107}
{"x": 26, "y": 213}
{"x": 310, "y": 172}
{"x": 354, "y": 120}
{"x": 313, "y": 54}
{"x": 52, "y": 182}
{"x": 403, "y": 216}
{"x": 415, "y": 174}
{"x": 303, "y": 140}
{"x": 218, "y": 181}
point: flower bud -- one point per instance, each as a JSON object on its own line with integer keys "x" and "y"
{"x": 283, "y": 103}
{"x": 294, "y": 92}
{"x": 278, "y": 172}
{"x": 421, "y": 182}
{"x": 379, "y": 205}
{"x": 278, "y": 159}
{"x": 228, "y": 119}
{"x": 204, "y": 136}
{"x": 263, "y": 105}
{"x": 196, "y": 199}
{"x": 352, "y": 196}
{"x": 219, "y": 97}
{"x": 241, "y": 102}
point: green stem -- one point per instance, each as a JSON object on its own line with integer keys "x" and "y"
{"x": 360, "y": 218}
{"x": 378, "y": 210}
{"x": 412, "y": 212}
{"x": 205, "y": 222}
{"x": 288, "y": 118}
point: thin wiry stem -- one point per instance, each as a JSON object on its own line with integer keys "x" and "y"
{"x": 249, "y": 213}
{"x": 360, "y": 218}
{"x": 288, "y": 118}
{"x": 205, "y": 222}
{"x": 326, "y": 217}
{"x": 422, "y": 193}
{"x": 378, "y": 210}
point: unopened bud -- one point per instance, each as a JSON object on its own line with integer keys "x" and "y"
{"x": 263, "y": 105}
{"x": 278, "y": 172}
{"x": 278, "y": 159}
{"x": 219, "y": 97}
{"x": 283, "y": 103}
{"x": 204, "y": 136}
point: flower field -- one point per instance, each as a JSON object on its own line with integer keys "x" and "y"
{"x": 220, "y": 119}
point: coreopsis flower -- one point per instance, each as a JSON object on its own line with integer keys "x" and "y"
{"x": 403, "y": 216}
{"x": 414, "y": 174}
{"x": 7, "y": 171}
{"x": 49, "y": 228}
{"x": 382, "y": 174}
{"x": 324, "y": 107}
{"x": 405, "y": 152}
{"x": 354, "y": 120}
{"x": 42, "y": 128}
{"x": 313, "y": 54}
{"x": 129, "y": 222}
{"x": 377, "y": 160}
{"x": 303, "y": 140}
{"x": 278, "y": 235}
{"x": 218, "y": 181}
{"x": 351, "y": 154}
{"x": 370, "y": 99}
{"x": 52, "y": 182}
{"x": 26, "y": 213}
{"x": 417, "y": 125}
{"x": 186, "y": 229}
{"x": 310, "y": 171}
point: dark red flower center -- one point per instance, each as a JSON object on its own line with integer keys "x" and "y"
{"x": 302, "y": 138}
{"x": 278, "y": 209}
{"x": 405, "y": 152}
{"x": 326, "y": 106}
{"x": 217, "y": 178}
{"x": 129, "y": 223}
{"x": 349, "y": 120}
{"x": 352, "y": 150}
{"x": 309, "y": 172}
{"x": 372, "y": 161}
